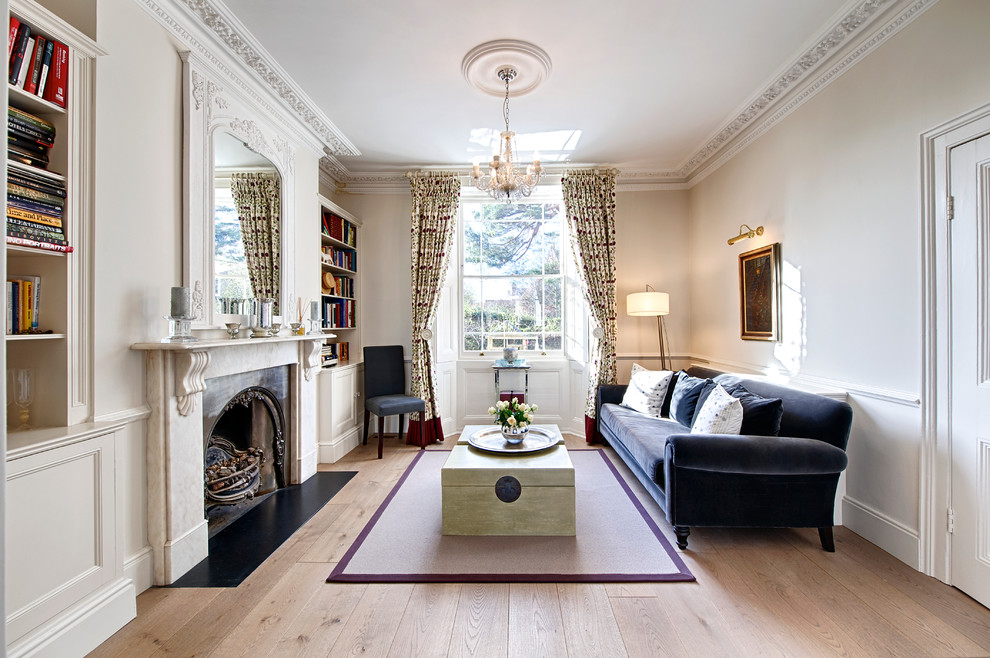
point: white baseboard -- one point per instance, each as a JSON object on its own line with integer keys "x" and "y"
{"x": 185, "y": 552}
{"x": 81, "y": 628}
{"x": 330, "y": 453}
{"x": 876, "y": 527}
{"x": 140, "y": 568}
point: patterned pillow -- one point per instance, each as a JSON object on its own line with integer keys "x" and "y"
{"x": 685, "y": 397}
{"x": 647, "y": 390}
{"x": 720, "y": 414}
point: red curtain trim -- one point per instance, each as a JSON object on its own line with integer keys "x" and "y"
{"x": 589, "y": 430}
{"x": 424, "y": 432}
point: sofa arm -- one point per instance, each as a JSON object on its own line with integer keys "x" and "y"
{"x": 757, "y": 455}
{"x": 605, "y": 394}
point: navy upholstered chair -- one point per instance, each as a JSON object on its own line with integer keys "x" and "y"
{"x": 385, "y": 389}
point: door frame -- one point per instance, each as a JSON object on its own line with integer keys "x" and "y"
{"x": 934, "y": 557}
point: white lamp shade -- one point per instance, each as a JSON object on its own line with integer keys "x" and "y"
{"x": 648, "y": 303}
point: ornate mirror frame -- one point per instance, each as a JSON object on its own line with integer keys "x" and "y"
{"x": 210, "y": 107}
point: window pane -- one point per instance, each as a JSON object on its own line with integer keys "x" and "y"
{"x": 472, "y": 247}
{"x": 507, "y": 248}
{"x": 472, "y": 305}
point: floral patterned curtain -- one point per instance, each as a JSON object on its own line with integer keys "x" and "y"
{"x": 258, "y": 200}
{"x": 589, "y": 202}
{"x": 434, "y": 216}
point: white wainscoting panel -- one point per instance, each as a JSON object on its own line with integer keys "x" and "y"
{"x": 61, "y": 542}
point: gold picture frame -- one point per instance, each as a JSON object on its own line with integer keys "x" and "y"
{"x": 759, "y": 293}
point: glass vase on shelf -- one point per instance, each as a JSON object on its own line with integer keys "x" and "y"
{"x": 23, "y": 395}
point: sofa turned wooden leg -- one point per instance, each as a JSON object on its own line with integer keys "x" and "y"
{"x": 682, "y": 533}
{"x": 825, "y": 534}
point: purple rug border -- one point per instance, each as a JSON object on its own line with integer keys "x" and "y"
{"x": 682, "y": 575}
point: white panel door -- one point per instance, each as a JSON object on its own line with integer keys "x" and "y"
{"x": 969, "y": 170}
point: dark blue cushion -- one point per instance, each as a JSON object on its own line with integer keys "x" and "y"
{"x": 390, "y": 405}
{"x": 685, "y": 397}
{"x": 761, "y": 416}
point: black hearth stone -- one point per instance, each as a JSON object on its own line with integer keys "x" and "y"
{"x": 238, "y": 549}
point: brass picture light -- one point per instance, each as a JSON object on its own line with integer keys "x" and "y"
{"x": 748, "y": 233}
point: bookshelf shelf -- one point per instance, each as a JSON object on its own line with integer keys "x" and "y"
{"x": 339, "y": 270}
{"x": 31, "y": 103}
{"x": 34, "y": 337}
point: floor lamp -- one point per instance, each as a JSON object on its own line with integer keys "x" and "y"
{"x": 648, "y": 304}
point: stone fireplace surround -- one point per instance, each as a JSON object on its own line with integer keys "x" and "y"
{"x": 177, "y": 376}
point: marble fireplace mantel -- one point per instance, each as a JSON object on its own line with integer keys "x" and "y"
{"x": 177, "y": 374}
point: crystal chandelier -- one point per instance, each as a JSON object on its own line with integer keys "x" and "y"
{"x": 505, "y": 180}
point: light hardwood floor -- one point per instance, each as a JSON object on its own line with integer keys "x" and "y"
{"x": 758, "y": 593}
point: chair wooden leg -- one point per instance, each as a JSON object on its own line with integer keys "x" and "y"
{"x": 825, "y": 535}
{"x": 402, "y": 421}
{"x": 381, "y": 435}
{"x": 367, "y": 419}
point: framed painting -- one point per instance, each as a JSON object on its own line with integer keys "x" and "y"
{"x": 759, "y": 293}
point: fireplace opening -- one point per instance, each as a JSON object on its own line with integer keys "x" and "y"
{"x": 245, "y": 457}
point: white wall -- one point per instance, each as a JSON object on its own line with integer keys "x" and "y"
{"x": 837, "y": 183}
{"x": 651, "y": 236}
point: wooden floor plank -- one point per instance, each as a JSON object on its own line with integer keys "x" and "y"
{"x": 590, "y": 628}
{"x": 536, "y": 629}
{"x": 481, "y": 622}
{"x": 161, "y": 611}
{"x": 371, "y": 627}
{"x": 426, "y": 626}
{"x": 264, "y": 625}
{"x": 646, "y": 629}
{"x": 318, "y": 626}
{"x": 933, "y": 635}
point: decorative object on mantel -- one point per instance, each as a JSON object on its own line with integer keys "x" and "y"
{"x": 514, "y": 418}
{"x": 745, "y": 235}
{"x": 233, "y": 328}
{"x": 180, "y": 316}
{"x": 505, "y": 180}
{"x": 759, "y": 293}
{"x": 649, "y": 304}
{"x": 262, "y": 327}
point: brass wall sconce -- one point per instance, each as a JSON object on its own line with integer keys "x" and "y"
{"x": 748, "y": 233}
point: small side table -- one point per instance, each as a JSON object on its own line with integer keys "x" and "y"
{"x": 518, "y": 364}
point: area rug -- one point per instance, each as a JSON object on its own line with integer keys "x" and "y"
{"x": 616, "y": 540}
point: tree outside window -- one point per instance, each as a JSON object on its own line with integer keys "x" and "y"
{"x": 512, "y": 279}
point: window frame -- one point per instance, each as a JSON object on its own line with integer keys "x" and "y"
{"x": 542, "y": 195}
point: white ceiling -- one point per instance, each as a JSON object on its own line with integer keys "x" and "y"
{"x": 648, "y": 83}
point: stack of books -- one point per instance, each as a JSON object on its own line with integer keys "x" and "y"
{"x": 23, "y": 303}
{"x": 339, "y": 229}
{"x": 37, "y": 64}
{"x": 334, "y": 353}
{"x": 338, "y": 313}
{"x": 35, "y": 207}
{"x": 28, "y": 138}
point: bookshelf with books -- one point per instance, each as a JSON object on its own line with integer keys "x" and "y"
{"x": 340, "y": 387}
{"x": 339, "y": 283}
{"x": 49, "y": 213}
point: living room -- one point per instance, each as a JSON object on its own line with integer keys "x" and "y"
{"x": 841, "y": 170}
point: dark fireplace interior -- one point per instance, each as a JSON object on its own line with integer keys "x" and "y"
{"x": 245, "y": 432}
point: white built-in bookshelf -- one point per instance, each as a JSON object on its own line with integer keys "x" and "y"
{"x": 58, "y": 353}
{"x": 339, "y": 284}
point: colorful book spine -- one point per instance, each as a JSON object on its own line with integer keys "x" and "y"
{"x": 24, "y": 242}
{"x": 26, "y": 62}
{"x": 31, "y": 193}
{"x": 34, "y": 205}
{"x": 17, "y": 56}
{"x": 58, "y": 75}
{"x": 46, "y": 63}
{"x": 40, "y": 218}
{"x": 34, "y": 72}
{"x": 15, "y": 25}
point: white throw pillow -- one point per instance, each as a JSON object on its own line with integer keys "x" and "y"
{"x": 721, "y": 414}
{"x": 646, "y": 390}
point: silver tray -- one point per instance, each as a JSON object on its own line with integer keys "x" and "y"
{"x": 491, "y": 440}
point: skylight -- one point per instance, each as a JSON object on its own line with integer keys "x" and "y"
{"x": 553, "y": 145}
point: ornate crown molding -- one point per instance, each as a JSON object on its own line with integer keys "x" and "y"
{"x": 204, "y": 24}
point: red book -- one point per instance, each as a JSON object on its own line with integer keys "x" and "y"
{"x": 58, "y": 74}
{"x": 12, "y": 39}
{"x": 34, "y": 72}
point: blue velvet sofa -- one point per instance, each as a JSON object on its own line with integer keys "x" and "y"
{"x": 786, "y": 481}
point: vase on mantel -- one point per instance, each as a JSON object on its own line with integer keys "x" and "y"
{"x": 514, "y": 435}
